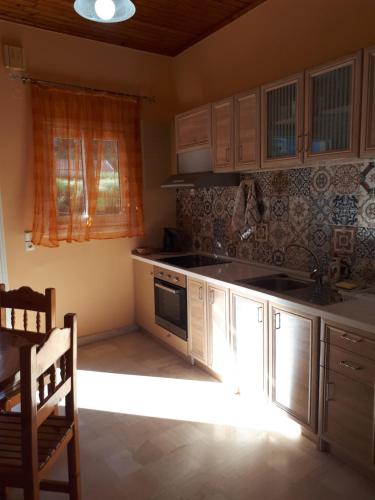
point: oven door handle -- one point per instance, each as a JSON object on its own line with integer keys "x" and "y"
{"x": 167, "y": 289}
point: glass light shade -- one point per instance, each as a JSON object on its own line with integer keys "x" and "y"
{"x": 105, "y": 11}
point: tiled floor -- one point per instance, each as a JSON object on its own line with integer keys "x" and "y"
{"x": 154, "y": 427}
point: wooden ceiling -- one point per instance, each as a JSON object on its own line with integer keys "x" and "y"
{"x": 163, "y": 26}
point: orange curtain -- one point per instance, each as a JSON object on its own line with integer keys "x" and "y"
{"x": 87, "y": 166}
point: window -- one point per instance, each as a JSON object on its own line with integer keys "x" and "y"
{"x": 87, "y": 166}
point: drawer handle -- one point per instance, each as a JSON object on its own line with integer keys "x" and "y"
{"x": 277, "y": 321}
{"x": 353, "y": 340}
{"x": 350, "y": 365}
{"x": 200, "y": 296}
{"x": 260, "y": 314}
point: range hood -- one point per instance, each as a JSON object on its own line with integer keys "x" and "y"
{"x": 201, "y": 180}
{"x": 195, "y": 171}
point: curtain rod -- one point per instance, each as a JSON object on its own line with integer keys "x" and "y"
{"x": 28, "y": 79}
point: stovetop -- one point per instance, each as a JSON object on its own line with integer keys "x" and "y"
{"x": 188, "y": 261}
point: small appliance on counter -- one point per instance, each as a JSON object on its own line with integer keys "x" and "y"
{"x": 173, "y": 240}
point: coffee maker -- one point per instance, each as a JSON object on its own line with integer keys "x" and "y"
{"x": 173, "y": 240}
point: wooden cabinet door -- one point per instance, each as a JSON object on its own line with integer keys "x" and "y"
{"x": 294, "y": 364}
{"x": 368, "y": 105}
{"x": 250, "y": 346}
{"x": 219, "y": 356}
{"x": 332, "y": 107}
{"x": 223, "y": 135}
{"x": 282, "y": 123}
{"x": 193, "y": 129}
{"x": 144, "y": 295}
{"x": 348, "y": 415}
{"x": 247, "y": 130}
{"x": 197, "y": 320}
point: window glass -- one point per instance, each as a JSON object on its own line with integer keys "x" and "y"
{"x": 70, "y": 178}
{"x": 108, "y": 196}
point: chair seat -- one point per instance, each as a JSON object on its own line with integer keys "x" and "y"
{"x": 51, "y": 434}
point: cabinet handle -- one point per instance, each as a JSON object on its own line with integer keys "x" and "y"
{"x": 277, "y": 321}
{"x": 227, "y": 154}
{"x": 260, "y": 314}
{"x": 200, "y": 293}
{"x": 350, "y": 365}
{"x": 211, "y": 297}
{"x": 329, "y": 391}
{"x": 351, "y": 339}
{"x": 240, "y": 152}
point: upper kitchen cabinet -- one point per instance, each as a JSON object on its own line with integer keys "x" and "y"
{"x": 193, "y": 129}
{"x": 223, "y": 135}
{"x": 332, "y": 109}
{"x": 247, "y": 130}
{"x": 282, "y": 123}
{"x": 368, "y": 104}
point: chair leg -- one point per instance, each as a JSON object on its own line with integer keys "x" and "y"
{"x": 74, "y": 469}
{"x": 31, "y": 491}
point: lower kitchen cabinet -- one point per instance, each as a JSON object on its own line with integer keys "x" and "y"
{"x": 197, "y": 320}
{"x": 347, "y": 394}
{"x": 250, "y": 344}
{"x": 294, "y": 363}
{"x": 219, "y": 346}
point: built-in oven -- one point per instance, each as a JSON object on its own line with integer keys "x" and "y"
{"x": 170, "y": 301}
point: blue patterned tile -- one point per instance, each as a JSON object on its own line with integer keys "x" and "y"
{"x": 299, "y": 180}
{"x": 280, "y": 183}
{"x": 346, "y": 179}
{"x": 367, "y": 178}
{"x": 321, "y": 181}
{"x": 279, "y": 209}
{"x": 365, "y": 243}
{"x": 345, "y": 210}
{"x": 278, "y": 258}
{"x": 343, "y": 240}
{"x": 366, "y": 212}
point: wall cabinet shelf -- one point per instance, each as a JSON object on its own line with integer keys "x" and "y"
{"x": 247, "y": 130}
{"x": 223, "y": 135}
{"x": 368, "y": 105}
{"x": 282, "y": 122}
{"x": 193, "y": 129}
{"x": 332, "y": 109}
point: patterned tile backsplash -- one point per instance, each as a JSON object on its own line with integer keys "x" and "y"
{"x": 329, "y": 209}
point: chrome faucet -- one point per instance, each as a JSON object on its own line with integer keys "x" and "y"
{"x": 316, "y": 274}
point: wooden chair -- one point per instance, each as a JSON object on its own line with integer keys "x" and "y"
{"x": 32, "y": 440}
{"x": 25, "y": 300}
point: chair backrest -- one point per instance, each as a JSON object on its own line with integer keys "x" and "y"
{"x": 26, "y": 300}
{"x": 60, "y": 349}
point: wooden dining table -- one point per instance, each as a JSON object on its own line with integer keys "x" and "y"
{"x": 11, "y": 342}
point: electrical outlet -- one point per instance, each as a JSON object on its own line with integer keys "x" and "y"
{"x": 29, "y": 245}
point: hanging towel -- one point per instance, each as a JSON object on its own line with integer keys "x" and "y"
{"x": 245, "y": 212}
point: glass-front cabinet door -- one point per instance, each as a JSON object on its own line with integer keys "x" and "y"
{"x": 282, "y": 122}
{"x": 368, "y": 104}
{"x": 332, "y": 104}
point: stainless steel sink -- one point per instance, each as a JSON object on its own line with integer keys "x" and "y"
{"x": 294, "y": 287}
{"x": 277, "y": 283}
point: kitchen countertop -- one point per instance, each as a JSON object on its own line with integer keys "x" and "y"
{"x": 357, "y": 309}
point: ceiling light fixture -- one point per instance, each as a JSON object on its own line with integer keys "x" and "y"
{"x": 105, "y": 11}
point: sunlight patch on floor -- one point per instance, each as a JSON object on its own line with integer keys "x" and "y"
{"x": 178, "y": 399}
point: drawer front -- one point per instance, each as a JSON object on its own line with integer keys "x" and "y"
{"x": 350, "y": 364}
{"x": 351, "y": 341}
{"x": 348, "y": 415}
